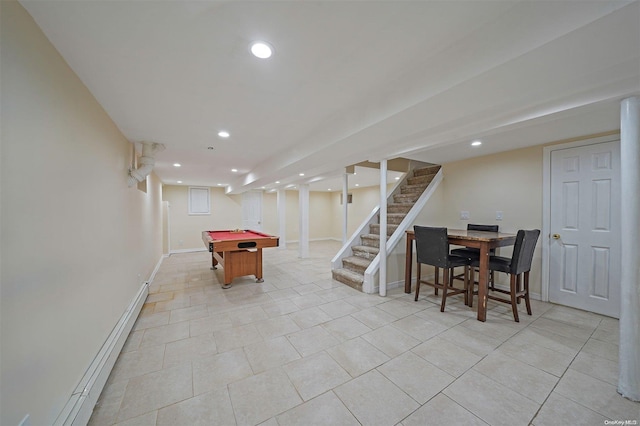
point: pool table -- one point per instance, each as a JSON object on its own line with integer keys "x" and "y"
{"x": 239, "y": 252}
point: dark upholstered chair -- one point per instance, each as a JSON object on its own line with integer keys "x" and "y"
{"x": 516, "y": 266}
{"x": 432, "y": 248}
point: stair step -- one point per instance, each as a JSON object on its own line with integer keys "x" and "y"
{"x": 406, "y": 198}
{"x": 365, "y": 251}
{"x": 374, "y": 228}
{"x": 431, "y": 170}
{"x": 348, "y": 277}
{"x": 356, "y": 264}
{"x": 354, "y": 267}
{"x": 394, "y": 218}
{"x": 399, "y": 208}
{"x": 370, "y": 240}
{"x": 413, "y": 189}
{"x": 420, "y": 180}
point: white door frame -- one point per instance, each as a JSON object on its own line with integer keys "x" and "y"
{"x": 546, "y": 200}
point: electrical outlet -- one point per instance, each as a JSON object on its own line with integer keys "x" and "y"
{"x": 498, "y": 215}
{"x": 464, "y": 215}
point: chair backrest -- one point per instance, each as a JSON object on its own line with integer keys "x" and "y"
{"x": 432, "y": 246}
{"x": 523, "y": 251}
{"x": 486, "y": 228}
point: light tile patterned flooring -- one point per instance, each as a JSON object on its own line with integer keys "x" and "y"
{"x": 302, "y": 349}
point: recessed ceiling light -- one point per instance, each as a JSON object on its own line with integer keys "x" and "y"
{"x": 179, "y": 181}
{"x": 223, "y": 134}
{"x": 261, "y": 49}
{"x": 219, "y": 184}
{"x": 476, "y": 143}
{"x": 397, "y": 177}
{"x": 177, "y": 164}
{"x": 262, "y": 187}
{"x": 277, "y": 181}
{"x": 234, "y": 170}
{"x": 301, "y": 174}
{"x": 357, "y": 184}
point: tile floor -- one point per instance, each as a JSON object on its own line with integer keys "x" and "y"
{"x": 302, "y": 349}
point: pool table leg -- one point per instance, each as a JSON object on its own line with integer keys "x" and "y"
{"x": 214, "y": 262}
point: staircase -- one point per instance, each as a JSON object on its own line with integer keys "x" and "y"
{"x": 353, "y": 267}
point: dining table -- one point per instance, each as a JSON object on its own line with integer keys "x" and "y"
{"x": 482, "y": 240}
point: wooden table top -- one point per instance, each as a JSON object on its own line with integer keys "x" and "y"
{"x": 475, "y": 235}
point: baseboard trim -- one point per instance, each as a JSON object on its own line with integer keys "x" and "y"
{"x": 316, "y": 239}
{"x": 157, "y": 268}
{"x": 80, "y": 406}
{"x": 189, "y": 250}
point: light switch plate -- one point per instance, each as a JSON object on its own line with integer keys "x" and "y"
{"x": 499, "y": 215}
{"x": 464, "y": 215}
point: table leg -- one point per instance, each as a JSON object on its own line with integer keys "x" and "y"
{"x": 483, "y": 282}
{"x": 408, "y": 265}
{"x": 214, "y": 262}
{"x": 259, "y": 266}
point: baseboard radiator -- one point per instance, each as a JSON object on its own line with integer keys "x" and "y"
{"x": 78, "y": 409}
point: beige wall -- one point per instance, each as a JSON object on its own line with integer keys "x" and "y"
{"x": 319, "y": 216}
{"x": 76, "y": 241}
{"x": 364, "y": 200}
{"x": 186, "y": 229}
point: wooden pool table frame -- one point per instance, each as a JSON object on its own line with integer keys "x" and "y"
{"x": 239, "y": 256}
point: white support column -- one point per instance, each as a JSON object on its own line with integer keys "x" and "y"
{"x": 282, "y": 217}
{"x": 383, "y": 228}
{"x": 303, "y": 201}
{"x": 629, "y": 358}
{"x": 345, "y": 206}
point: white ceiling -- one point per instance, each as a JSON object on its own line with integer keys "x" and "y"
{"x": 349, "y": 81}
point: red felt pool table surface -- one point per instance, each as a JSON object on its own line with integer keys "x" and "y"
{"x": 232, "y": 235}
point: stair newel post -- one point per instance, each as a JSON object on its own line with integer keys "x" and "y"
{"x": 345, "y": 206}
{"x": 383, "y": 228}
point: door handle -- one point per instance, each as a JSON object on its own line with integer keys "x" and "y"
{"x": 556, "y": 236}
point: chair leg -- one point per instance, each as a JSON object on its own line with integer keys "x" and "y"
{"x": 492, "y": 280}
{"x": 514, "y": 305}
{"x": 518, "y": 287}
{"x": 526, "y": 292}
{"x": 436, "y": 279}
{"x": 445, "y": 289}
{"x": 472, "y": 285}
{"x": 418, "y": 278}
{"x": 465, "y": 285}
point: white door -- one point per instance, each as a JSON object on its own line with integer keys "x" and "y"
{"x": 252, "y": 210}
{"x": 584, "y": 245}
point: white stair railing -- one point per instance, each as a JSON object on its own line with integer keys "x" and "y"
{"x": 370, "y": 284}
